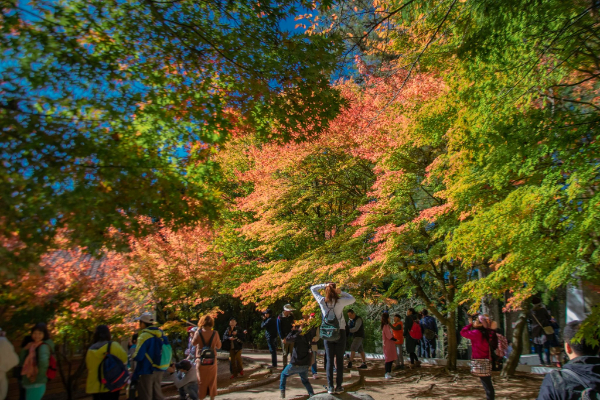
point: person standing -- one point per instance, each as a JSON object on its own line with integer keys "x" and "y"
{"x": 398, "y": 328}
{"x": 389, "y": 344}
{"x": 430, "y": 333}
{"x": 334, "y": 302}
{"x": 185, "y": 379}
{"x": 301, "y": 358}
{"x": 269, "y": 324}
{"x": 93, "y": 359}
{"x": 207, "y": 374}
{"x": 581, "y": 373}
{"x": 148, "y": 353}
{"x": 411, "y": 343}
{"x": 540, "y": 321}
{"x": 285, "y": 322}
{"x": 483, "y": 340}
{"x": 233, "y": 340}
{"x": 356, "y": 329}
{"x": 35, "y": 359}
{"x": 8, "y": 360}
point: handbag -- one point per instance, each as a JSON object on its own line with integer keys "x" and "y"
{"x": 548, "y": 330}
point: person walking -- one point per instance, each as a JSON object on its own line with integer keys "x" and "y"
{"x": 429, "y": 329}
{"x": 269, "y": 324}
{"x": 8, "y": 360}
{"x": 315, "y": 335}
{"x": 356, "y": 329}
{"x": 389, "y": 344}
{"x": 483, "y": 343}
{"x": 411, "y": 343}
{"x": 398, "y": 328}
{"x": 147, "y": 356}
{"x": 93, "y": 358}
{"x": 35, "y": 361}
{"x": 185, "y": 379}
{"x": 540, "y": 323}
{"x": 301, "y": 358}
{"x": 285, "y": 322}
{"x": 580, "y": 374}
{"x": 233, "y": 340}
{"x": 334, "y": 302}
{"x": 207, "y": 374}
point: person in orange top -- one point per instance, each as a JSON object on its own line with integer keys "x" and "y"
{"x": 397, "y": 328}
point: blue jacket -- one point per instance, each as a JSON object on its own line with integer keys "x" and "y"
{"x": 429, "y": 322}
{"x": 149, "y": 347}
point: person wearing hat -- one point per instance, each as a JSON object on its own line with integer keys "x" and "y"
{"x": 185, "y": 379}
{"x": 233, "y": 340}
{"x": 285, "y": 323}
{"x": 147, "y": 354}
{"x": 190, "y": 352}
{"x": 269, "y": 324}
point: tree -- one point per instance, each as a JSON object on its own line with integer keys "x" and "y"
{"x": 105, "y": 101}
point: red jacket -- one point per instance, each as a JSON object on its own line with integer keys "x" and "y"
{"x": 480, "y": 348}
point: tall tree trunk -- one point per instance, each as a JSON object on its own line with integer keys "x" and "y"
{"x": 518, "y": 344}
{"x": 452, "y": 349}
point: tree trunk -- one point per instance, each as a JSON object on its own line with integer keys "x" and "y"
{"x": 452, "y": 349}
{"x": 518, "y": 343}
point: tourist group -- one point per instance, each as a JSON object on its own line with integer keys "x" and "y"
{"x": 142, "y": 368}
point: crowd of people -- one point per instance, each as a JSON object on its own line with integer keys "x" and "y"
{"x": 142, "y": 368}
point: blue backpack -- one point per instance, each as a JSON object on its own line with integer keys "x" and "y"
{"x": 166, "y": 353}
{"x": 112, "y": 372}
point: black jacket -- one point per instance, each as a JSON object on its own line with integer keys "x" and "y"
{"x": 353, "y": 330}
{"x": 559, "y": 385}
{"x": 302, "y": 354}
{"x": 238, "y": 334}
{"x": 284, "y": 325}
{"x": 270, "y": 327}
{"x": 543, "y": 315}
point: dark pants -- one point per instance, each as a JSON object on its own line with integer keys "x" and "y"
{"x": 429, "y": 348}
{"x": 335, "y": 350}
{"x": 488, "y": 386}
{"x": 413, "y": 358}
{"x": 272, "y": 342}
{"x": 106, "y": 396}
{"x": 388, "y": 367}
{"x": 235, "y": 359}
{"x": 540, "y": 350}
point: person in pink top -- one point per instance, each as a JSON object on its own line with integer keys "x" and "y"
{"x": 483, "y": 340}
{"x": 389, "y": 344}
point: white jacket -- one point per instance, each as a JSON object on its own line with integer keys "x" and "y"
{"x": 345, "y": 300}
{"x": 8, "y": 357}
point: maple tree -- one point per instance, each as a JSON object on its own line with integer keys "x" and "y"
{"x": 102, "y": 102}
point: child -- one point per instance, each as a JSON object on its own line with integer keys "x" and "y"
{"x": 301, "y": 358}
{"x": 389, "y": 344}
{"x": 397, "y": 328}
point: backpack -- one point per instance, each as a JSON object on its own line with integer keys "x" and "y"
{"x": 112, "y": 372}
{"x": 330, "y": 327}
{"x": 502, "y": 346}
{"x": 415, "y": 331}
{"x": 166, "y": 353}
{"x": 52, "y": 364}
{"x": 207, "y": 354}
{"x": 587, "y": 393}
